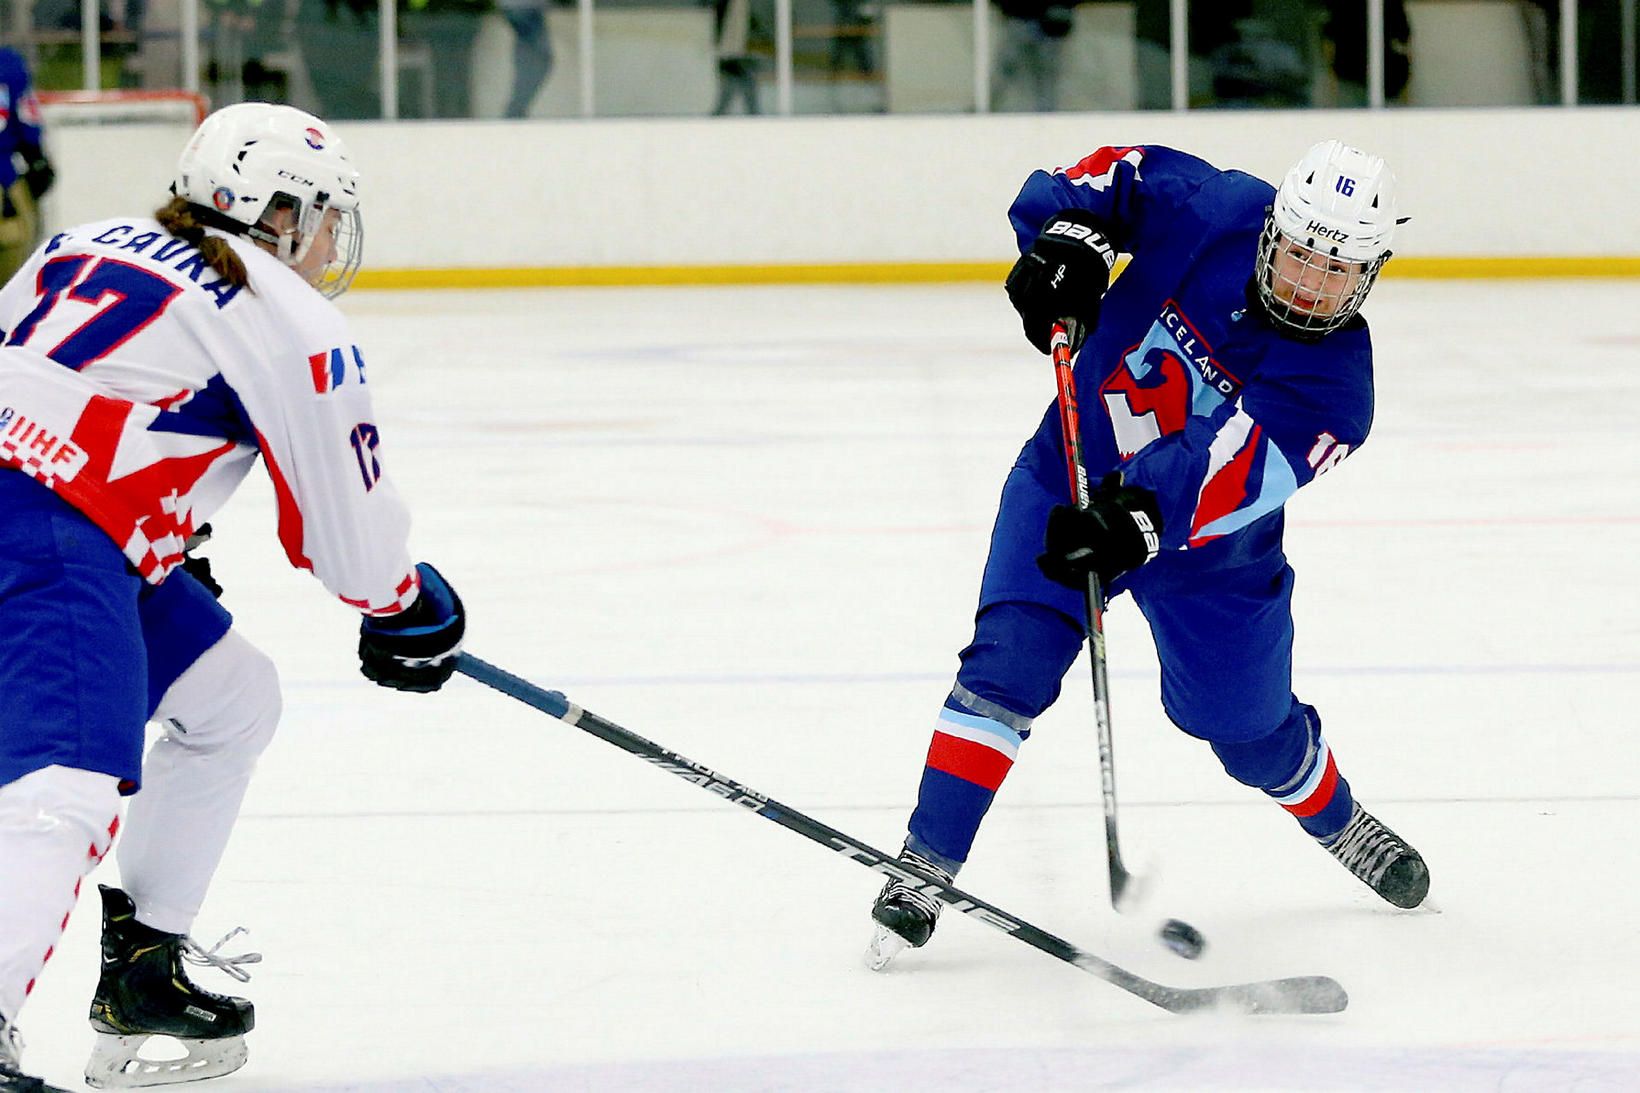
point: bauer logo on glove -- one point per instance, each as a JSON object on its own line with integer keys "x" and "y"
{"x": 1093, "y": 237}
{"x": 1063, "y": 275}
{"x": 1119, "y": 531}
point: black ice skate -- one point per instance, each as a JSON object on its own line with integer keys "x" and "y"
{"x": 145, "y": 991}
{"x": 905, "y": 915}
{"x": 12, "y": 1078}
{"x": 1381, "y": 859}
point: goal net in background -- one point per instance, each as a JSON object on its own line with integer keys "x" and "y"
{"x": 64, "y": 109}
{"x": 114, "y": 151}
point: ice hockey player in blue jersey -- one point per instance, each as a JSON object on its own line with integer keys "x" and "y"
{"x": 1225, "y": 368}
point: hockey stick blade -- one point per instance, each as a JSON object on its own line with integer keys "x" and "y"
{"x": 1306, "y": 994}
{"x": 1313, "y": 994}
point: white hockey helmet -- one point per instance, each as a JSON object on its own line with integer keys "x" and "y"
{"x": 1325, "y": 238}
{"x": 248, "y": 162}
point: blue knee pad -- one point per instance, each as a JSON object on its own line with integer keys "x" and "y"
{"x": 1019, "y": 655}
{"x": 1294, "y": 766}
{"x": 1272, "y": 761}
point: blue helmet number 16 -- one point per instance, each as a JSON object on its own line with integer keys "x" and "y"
{"x": 1345, "y": 186}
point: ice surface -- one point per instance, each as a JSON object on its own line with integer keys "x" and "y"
{"x": 749, "y": 524}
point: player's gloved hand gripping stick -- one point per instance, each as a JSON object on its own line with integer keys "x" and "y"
{"x": 1304, "y": 994}
{"x": 415, "y": 650}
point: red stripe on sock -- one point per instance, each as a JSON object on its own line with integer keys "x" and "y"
{"x": 976, "y": 763}
{"x": 1323, "y": 795}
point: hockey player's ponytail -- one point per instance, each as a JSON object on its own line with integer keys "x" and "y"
{"x": 179, "y": 218}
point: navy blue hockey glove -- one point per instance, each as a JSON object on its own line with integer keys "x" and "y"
{"x": 1120, "y": 530}
{"x": 197, "y": 567}
{"x": 416, "y": 649}
{"x": 38, "y": 174}
{"x": 1063, "y": 276}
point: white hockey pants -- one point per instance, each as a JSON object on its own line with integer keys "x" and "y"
{"x": 55, "y": 826}
{"x": 217, "y": 719}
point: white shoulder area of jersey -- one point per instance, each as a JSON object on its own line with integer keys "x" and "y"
{"x": 282, "y": 290}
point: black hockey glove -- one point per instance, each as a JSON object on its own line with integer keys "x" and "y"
{"x": 197, "y": 567}
{"x": 1063, "y": 276}
{"x": 1120, "y": 530}
{"x": 416, "y": 649}
{"x": 38, "y": 175}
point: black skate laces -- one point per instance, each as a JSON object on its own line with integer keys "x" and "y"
{"x": 1366, "y": 847}
{"x": 194, "y": 954}
{"x": 903, "y": 890}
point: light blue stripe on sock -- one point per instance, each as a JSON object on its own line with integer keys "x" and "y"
{"x": 984, "y": 725}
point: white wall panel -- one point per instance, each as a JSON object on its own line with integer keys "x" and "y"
{"x": 758, "y": 191}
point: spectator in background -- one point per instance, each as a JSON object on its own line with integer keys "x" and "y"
{"x": 1599, "y": 46}
{"x": 1344, "y": 29}
{"x": 1259, "y": 67}
{"x": 1033, "y": 41}
{"x": 339, "y": 40}
{"x": 532, "y": 51}
{"x": 242, "y": 33}
{"x": 852, "y": 31}
{"x": 737, "y": 67}
{"x": 448, "y": 27}
{"x": 25, "y": 172}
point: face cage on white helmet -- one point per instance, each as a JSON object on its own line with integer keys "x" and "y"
{"x": 292, "y": 247}
{"x": 337, "y": 276}
{"x": 1334, "y": 284}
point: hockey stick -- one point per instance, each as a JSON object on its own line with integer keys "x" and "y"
{"x": 1070, "y": 420}
{"x": 1306, "y": 994}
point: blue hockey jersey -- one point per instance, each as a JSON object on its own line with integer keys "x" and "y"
{"x": 1184, "y": 385}
{"x": 19, "y": 113}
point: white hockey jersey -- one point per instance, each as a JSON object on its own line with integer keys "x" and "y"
{"x": 141, "y": 388}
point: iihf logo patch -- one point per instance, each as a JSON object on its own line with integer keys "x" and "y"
{"x": 315, "y": 139}
{"x": 222, "y": 199}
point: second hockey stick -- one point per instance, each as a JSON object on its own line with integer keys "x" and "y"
{"x": 1304, "y": 994}
{"x": 1070, "y": 421}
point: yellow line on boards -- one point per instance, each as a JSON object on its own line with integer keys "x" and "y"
{"x": 853, "y": 273}
{"x": 1524, "y": 268}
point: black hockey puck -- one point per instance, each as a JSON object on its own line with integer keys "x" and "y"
{"x": 1183, "y": 938}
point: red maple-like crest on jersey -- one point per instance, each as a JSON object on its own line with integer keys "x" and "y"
{"x": 1099, "y": 169}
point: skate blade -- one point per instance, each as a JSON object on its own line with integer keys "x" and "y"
{"x": 117, "y": 1062}
{"x": 885, "y": 946}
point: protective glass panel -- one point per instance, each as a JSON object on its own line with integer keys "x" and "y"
{"x": 660, "y": 57}
{"x": 837, "y": 51}
{"x": 1257, "y": 53}
{"x": 1482, "y": 52}
{"x": 928, "y": 58}
{"x": 1063, "y": 56}
{"x": 1344, "y": 41}
{"x": 1606, "y": 46}
{"x": 47, "y": 35}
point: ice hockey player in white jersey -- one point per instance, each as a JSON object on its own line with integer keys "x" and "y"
{"x": 146, "y": 364}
